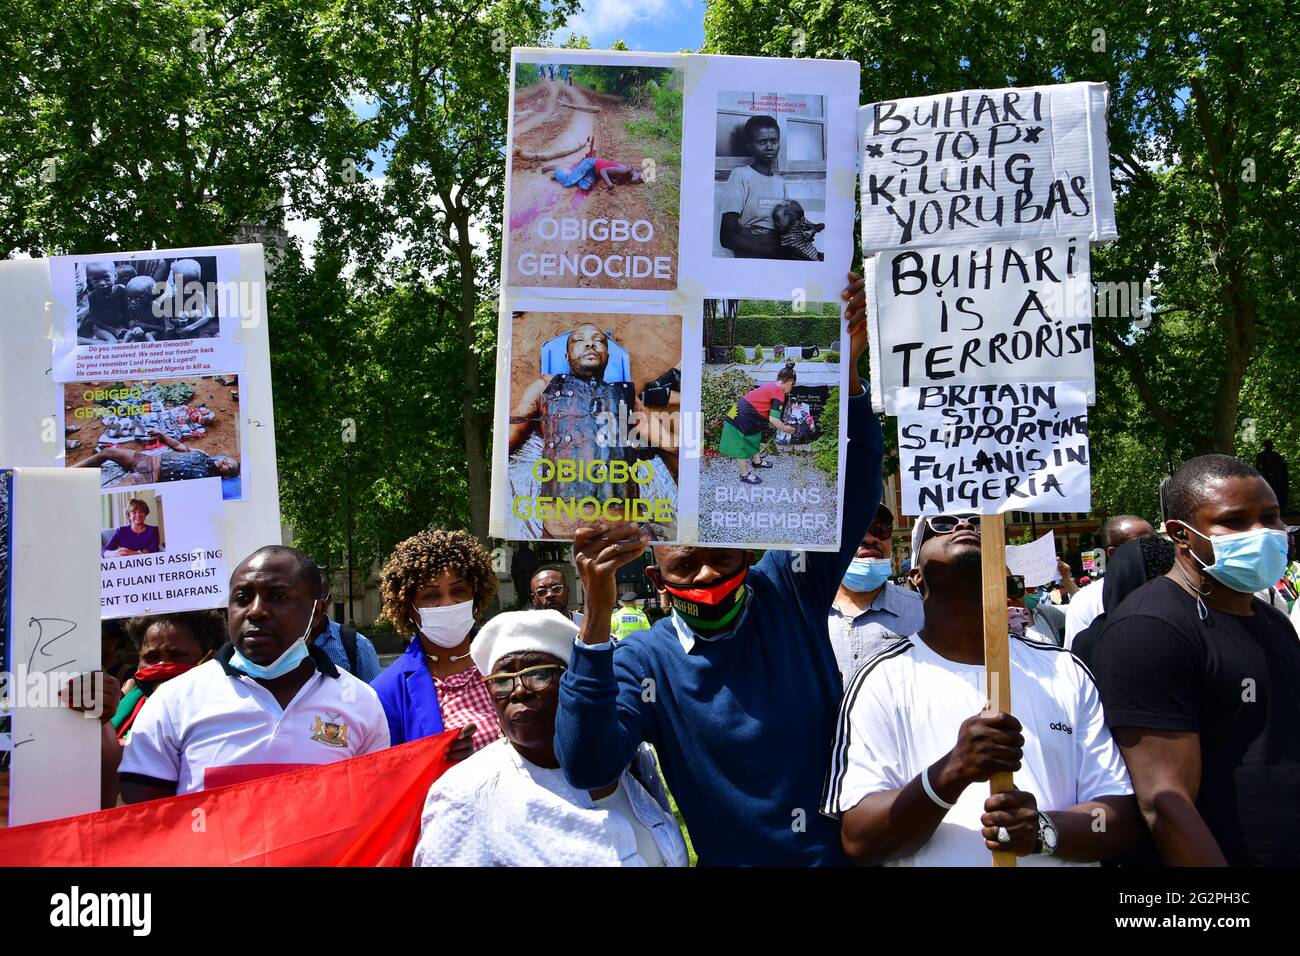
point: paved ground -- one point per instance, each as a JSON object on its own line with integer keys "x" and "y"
{"x": 791, "y": 477}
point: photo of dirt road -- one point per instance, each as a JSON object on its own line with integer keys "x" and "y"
{"x": 595, "y": 180}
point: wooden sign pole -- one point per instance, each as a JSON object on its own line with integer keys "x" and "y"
{"x": 997, "y": 660}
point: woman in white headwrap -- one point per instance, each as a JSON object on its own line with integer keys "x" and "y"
{"x": 509, "y": 804}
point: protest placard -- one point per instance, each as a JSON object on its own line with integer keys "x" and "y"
{"x": 197, "y": 449}
{"x": 633, "y": 175}
{"x": 49, "y": 618}
{"x": 1035, "y": 561}
{"x": 994, "y": 448}
{"x": 1017, "y": 312}
{"x": 641, "y": 188}
{"x": 987, "y": 166}
{"x": 149, "y": 314}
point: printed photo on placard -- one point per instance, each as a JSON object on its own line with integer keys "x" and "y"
{"x": 770, "y": 170}
{"x": 770, "y": 408}
{"x": 594, "y": 188}
{"x": 161, "y": 550}
{"x": 594, "y": 422}
{"x": 133, "y": 524}
{"x": 151, "y": 313}
{"x": 770, "y": 166}
{"x": 146, "y": 431}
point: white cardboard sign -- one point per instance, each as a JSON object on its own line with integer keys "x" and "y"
{"x": 986, "y": 166}
{"x": 994, "y": 448}
{"x": 1018, "y": 312}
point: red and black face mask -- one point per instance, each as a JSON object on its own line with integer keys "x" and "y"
{"x": 710, "y": 606}
{"x": 158, "y": 673}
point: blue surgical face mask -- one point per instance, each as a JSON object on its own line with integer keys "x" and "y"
{"x": 867, "y": 574}
{"x": 293, "y": 655}
{"x": 1247, "y": 561}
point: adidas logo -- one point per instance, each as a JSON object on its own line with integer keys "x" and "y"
{"x": 1061, "y": 726}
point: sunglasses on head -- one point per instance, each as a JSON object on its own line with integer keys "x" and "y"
{"x": 947, "y": 524}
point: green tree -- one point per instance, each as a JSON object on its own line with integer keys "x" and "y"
{"x": 176, "y": 122}
{"x": 374, "y": 357}
{"x": 438, "y": 75}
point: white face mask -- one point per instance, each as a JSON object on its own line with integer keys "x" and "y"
{"x": 447, "y": 626}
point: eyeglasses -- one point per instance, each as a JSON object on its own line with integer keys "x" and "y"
{"x": 535, "y": 679}
{"x": 550, "y": 589}
{"x": 947, "y": 524}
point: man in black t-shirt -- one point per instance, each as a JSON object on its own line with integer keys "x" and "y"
{"x": 1200, "y": 680}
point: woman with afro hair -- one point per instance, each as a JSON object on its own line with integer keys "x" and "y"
{"x": 436, "y": 586}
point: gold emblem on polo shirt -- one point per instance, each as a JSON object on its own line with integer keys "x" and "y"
{"x": 331, "y": 732}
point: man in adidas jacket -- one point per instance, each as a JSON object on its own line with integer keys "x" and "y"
{"x": 913, "y": 744}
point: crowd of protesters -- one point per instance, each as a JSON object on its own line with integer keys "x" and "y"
{"x": 801, "y": 709}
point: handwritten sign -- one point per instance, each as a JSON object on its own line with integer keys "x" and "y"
{"x": 994, "y": 448}
{"x": 987, "y": 165}
{"x": 54, "y": 634}
{"x": 1017, "y": 312}
{"x": 1035, "y": 561}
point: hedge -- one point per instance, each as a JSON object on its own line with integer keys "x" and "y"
{"x": 782, "y": 307}
{"x": 784, "y": 330}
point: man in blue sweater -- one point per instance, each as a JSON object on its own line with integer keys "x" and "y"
{"x": 738, "y": 688}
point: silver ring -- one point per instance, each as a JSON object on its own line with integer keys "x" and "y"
{"x": 1003, "y": 835}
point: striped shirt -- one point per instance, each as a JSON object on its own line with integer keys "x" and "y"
{"x": 902, "y": 712}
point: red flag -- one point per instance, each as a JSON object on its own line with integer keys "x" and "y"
{"x": 359, "y": 812}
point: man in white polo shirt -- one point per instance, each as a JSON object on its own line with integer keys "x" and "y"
{"x": 268, "y": 702}
{"x": 1085, "y": 605}
{"x": 909, "y": 757}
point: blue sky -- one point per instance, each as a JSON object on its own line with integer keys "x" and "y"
{"x": 663, "y": 26}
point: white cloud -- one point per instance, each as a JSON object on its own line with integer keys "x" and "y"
{"x": 604, "y": 21}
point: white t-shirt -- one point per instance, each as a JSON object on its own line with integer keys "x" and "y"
{"x": 901, "y": 713}
{"x": 214, "y": 726}
{"x": 1082, "y": 610}
{"x": 753, "y": 195}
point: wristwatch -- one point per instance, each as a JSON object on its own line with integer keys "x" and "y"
{"x": 1046, "y": 835}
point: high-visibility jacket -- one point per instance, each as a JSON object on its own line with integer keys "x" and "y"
{"x": 625, "y": 620}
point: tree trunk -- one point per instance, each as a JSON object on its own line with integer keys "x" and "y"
{"x": 475, "y": 433}
{"x": 1240, "y": 333}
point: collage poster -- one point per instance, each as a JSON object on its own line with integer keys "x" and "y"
{"x": 650, "y": 197}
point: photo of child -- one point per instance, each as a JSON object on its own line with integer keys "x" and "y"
{"x": 132, "y": 524}
{"x": 770, "y": 176}
{"x": 145, "y": 300}
{"x": 769, "y": 471}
